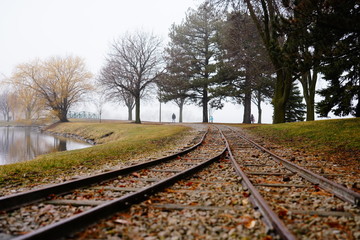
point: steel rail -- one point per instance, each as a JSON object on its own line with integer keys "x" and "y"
{"x": 271, "y": 219}
{"x": 15, "y": 201}
{"x": 82, "y": 220}
{"x": 338, "y": 190}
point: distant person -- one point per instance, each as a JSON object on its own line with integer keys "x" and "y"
{"x": 173, "y": 117}
{"x": 252, "y": 119}
{"x": 211, "y": 119}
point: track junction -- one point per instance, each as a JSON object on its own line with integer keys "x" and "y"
{"x": 225, "y": 186}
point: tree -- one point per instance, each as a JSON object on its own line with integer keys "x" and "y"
{"x": 116, "y": 93}
{"x": 295, "y": 108}
{"x": 60, "y": 82}
{"x": 268, "y": 17}
{"x": 99, "y": 101}
{"x": 174, "y": 84}
{"x": 30, "y": 102}
{"x": 244, "y": 61}
{"x": 196, "y": 37}
{"x": 133, "y": 64}
{"x": 5, "y": 105}
{"x": 263, "y": 90}
{"x": 328, "y": 42}
{"x": 337, "y": 27}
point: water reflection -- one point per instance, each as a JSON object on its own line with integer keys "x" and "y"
{"x": 24, "y": 143}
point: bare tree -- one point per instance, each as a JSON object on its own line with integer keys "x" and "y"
{"x": 5, "y": 105}
{"x": 114, "y": 92}
{"x": 61, "y": 82}
{"x": 132, "y": 66}
{"x": 99, "y": 101}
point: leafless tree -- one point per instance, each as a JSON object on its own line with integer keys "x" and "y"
{"x": 133, "y": 64}
{"x": 5, "y": 105}
{"x": 99, "y": 100}
{"x": 115, "y": 93}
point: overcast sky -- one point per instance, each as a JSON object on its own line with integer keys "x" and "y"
{"x": 31, "y": 29}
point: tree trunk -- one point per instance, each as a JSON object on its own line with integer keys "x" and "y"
{"x": 181, "y": 106}
{"x": 27, "y": 114}
{"x": 129, "y": 113}
{"x": 247, "y": 100}
{"x": 137, "y": 109}
{"x": 259, "y": 108}
{"x": 205, "y": 105}
{"x": 62, "y": 115}
{"x": 281, "y": 95}
{"x": 310, "y": 108}
{"x": 308, "y": 83}
{"x": 160, "y": 112}
{"x": 357, "y": 109}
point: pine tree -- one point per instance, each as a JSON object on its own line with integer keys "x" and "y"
{"x": 295, "y": 108}
{"x": 196, "y": 39}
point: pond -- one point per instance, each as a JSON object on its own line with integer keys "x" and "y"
{"x": 24, "y": 143}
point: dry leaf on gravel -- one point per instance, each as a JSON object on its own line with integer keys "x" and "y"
{"x": 122, "y": 221}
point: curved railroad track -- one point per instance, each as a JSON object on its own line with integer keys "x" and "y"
{"x": 64, "y": 208}
{"x": 198, "y": 193}
{"x": 309, "y": 205}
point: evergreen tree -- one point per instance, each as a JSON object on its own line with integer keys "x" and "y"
{"x": 295, "y": 108}
{"x": 244, "y": 64}
{"x": 174, "y": 84}
{"x": 196, "y": 39}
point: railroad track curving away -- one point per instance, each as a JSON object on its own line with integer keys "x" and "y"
{"x": 308, "y": 205}
{"x": 198, "y": 193}
{"x": 75, "y": 206}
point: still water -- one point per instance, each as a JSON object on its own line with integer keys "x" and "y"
{"x": 24, "y": 143}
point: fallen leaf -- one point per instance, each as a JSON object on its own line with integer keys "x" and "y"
{"x": 317, "y": 188}
{"x": 225, "y": 215}
{"x": 245, "y": 194}
{"x": 334, "y": 224}
{"x": 248, "y": 222}
{"x": 282, "y": 213}
{"x": 322, "y": 193}
{"x": 135, "y": 174}
{"x": 122, "y": 221}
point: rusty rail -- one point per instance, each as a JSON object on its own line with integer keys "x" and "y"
{"x": 338, "y": 190}
{"x": 82, "y": 220}
{"x": 21, "y": 199}
{"x": 271, "y": 219}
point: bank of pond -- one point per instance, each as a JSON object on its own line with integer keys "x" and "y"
{"x": 19, "y": 144}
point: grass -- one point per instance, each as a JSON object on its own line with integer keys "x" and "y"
{"x": 116, "y": 142}
{"x": 340, "y": 136}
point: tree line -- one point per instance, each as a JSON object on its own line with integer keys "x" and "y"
{"x": 242, "y": 51}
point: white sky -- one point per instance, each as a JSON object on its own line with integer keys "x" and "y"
{"x": 31, "y": 29}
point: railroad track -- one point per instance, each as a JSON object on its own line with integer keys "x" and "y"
{"x": 56, "y": 211}
{"x": 198, "y": 194}
{"x": 211, "y": 204}
{"x": 306, "y": 205}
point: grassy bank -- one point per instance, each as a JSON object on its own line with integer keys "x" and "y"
{"x": 338, "y": 136}
{"x": 116, "y": 142}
